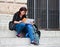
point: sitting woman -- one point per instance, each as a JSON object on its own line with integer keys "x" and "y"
{"x": 20, "y": 25}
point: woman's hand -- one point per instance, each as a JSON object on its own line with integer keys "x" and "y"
{"x": 32, "y": 22}
{"x": 17, "y": 22}
{"x": 20, "y": 21}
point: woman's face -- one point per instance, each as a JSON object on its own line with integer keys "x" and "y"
{"x": 23, "y": 13}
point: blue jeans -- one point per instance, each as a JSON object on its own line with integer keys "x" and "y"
{"x": 30, "y": 33}
{"x": 29, "y": 29}
{"x": 19, "y": 27}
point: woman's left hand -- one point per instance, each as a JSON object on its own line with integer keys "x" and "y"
{"x": 32, "y": 23}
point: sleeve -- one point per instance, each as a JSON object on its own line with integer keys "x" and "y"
{"x": 23, "y": 17}
{"x": 14, "y": 17}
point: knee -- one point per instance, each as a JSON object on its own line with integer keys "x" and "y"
{"x": 29, "y": 26}
{"x": 21, "y": 24}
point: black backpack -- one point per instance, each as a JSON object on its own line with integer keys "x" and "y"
{"x": 11, "y": 25}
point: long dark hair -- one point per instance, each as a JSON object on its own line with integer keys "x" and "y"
{"x": 22, "y": 9}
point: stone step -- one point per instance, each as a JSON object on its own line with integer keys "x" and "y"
{"x": 7, "y": 33}
{"x": 26, "y": 41}
{"x": 4, "y": 20}
{"x": 14, "y": 41}
{"x": 30, "y": 46}
{"x": 43, "y": 39}
{"x": 10, "y": 36}
{"x": 6, "y": 17}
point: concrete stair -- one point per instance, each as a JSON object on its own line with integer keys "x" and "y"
{"x": 8, "y": 38}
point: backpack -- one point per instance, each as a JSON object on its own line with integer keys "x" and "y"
{"x": 37, "y": 33}
{"x": 11, "y": 25}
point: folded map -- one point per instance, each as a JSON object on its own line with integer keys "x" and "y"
{"x": 28, "y": 20}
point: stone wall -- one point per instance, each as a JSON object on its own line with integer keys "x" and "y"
{"x": 11, "y": 6}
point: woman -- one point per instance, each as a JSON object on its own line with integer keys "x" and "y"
{"x": 19, "y": 25}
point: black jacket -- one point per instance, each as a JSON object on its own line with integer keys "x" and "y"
{"x": 16, "y": 17}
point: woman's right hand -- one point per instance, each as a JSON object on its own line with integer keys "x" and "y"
{"x": 20, "y": 21}
{"x": 17, "y": 22}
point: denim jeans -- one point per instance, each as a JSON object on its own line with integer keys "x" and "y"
{"x": 29, "y": 30}
{"x": 19, "y": 27}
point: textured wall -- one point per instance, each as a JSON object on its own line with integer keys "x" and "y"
{"x": 11, "y": 6}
